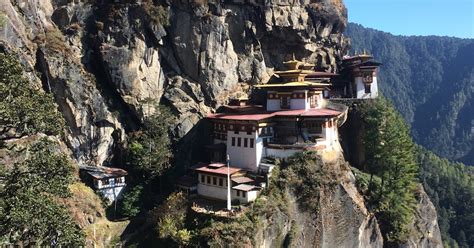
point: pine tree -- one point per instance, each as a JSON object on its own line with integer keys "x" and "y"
{"x": 390, "y": 156}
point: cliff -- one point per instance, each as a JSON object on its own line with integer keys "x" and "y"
{"x": 104, "y": 62}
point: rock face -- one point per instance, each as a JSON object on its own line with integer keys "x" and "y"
{"x": 425, "y": 225}
{"x": 111, "y": 60}
{"x": 342, "y": 219}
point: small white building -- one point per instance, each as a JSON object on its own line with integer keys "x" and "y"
{"x": 358, "y": 78}
{"x": 107, "y": 181}
{"x": 212, "y": 183}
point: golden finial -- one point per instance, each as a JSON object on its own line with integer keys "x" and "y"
{"x": 294, "y": 56}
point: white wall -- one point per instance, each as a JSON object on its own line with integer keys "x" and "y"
{"x": 273, "y": 104}
{"x": 360, "y": 89}
{"x": 249, "y": 196}
{"x": 112, "y": 193}
{"x": 299, "y": 104}
{"x": 244, "y": 157}
{"x": 212, "y": 191}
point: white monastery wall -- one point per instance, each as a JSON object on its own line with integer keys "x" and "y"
{"x": 273, "y": 104}
{"x": 241, "y": 156}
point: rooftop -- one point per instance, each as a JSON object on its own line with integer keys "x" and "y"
{"x": 241, "y": 180}
{"x": 217, "y": 168}
{"x": 246, "y": 187}
{"x": 103, "y": 172}
{"x": 293, "y": 84}
{"x": 262, "y": 115}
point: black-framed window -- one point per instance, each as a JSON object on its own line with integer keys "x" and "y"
{"x": 246, "y": 140}
{"x": 233, "y": 141}
{"x": 221, "y": 182}
{"x": 203, "y": 179}
{"x": 208, "y": 179}
{"x": 367, "y": 88}
{"x": 251, "y": 142}
{"x": 239, "y": 142}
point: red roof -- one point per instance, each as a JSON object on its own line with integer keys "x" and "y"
{"x": 219, "y": 169}
{"x": 265, "y": 115}
{"x": 241, "y": 116}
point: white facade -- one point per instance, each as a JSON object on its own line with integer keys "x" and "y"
{"x": 212, "y": 191}
{"x": 215, "y": 190}
{"x": 281, "y": 153}
{"x": 273, "y": 104}
{"x": 361, "y": 91}
{"x": 244, "y": 149}
{"x": 244, "y": 197}
{"x": 110, "y": 188}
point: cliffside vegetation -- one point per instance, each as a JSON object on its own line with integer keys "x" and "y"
{"x": 29, "y": 210}
{"x": 430, "y": 81}
{"x": 390, "y": 161}
{"x": 38, "y": 174}
{"x": 394, "y": 161}
{"x": 24, "y": 110}
{"x": 451, "y": 189}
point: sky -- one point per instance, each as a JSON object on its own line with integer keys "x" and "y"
{"x": 415, "y": 17}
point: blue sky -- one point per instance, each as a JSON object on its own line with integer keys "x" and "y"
{"x": 415, "y": 17}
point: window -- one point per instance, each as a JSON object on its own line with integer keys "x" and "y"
{"x": 221, "y": 182}
{"x": 251, "y": 143}
{"x": 208, "y": 180}
{"x": 246, "y": 142}
{"x": 239, "y": 142}
{"x": 249, "y": 133}
{"x": 285, "y": 102}
{"x": 202, "y": 179}
{"x": 367, "y": 88}
{"x": 214, "y": 180}
{"x": 233, "y": 141}
{"x": 243, "y": 194}
{"x": 236, "y": 132}
{"x": 238, "y": 193}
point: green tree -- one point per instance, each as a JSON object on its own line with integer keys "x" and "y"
{"x": 129, "y": 206}
{"x": 390, "y": 156}
{"x": 29, "y": 212}
{"x": 149, "y": 149}
{"x": 170, "y": 219}
{"x": 24, "y": 110}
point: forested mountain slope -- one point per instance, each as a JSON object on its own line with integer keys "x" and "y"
{"x": 431, "y": 82}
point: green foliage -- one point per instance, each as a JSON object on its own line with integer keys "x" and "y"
{"x": 23, "y": 109}
{"x": 170, "y": 219}
{"x": 130, "y": 206}
{"x": 149, "y": 149}
{"x": 430, "y": 81}
{"x": 390, "y": 156}
{"x": 29, "y": 211}
{"x": 157, "y": 13}
{"x": 450, "y": 187}
{"x": 3, "y": 19}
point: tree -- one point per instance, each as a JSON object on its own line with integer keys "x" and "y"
{"x": 390, "y": 156}
{"x": 29, "y": 212}
{"x": 130, "y": 204}
{"x": 24, "y": 110}
{"x": 170, "y": 219}
{"x": 149, "y": 149}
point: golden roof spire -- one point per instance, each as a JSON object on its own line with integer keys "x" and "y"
{"x": 294, "y": 56}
